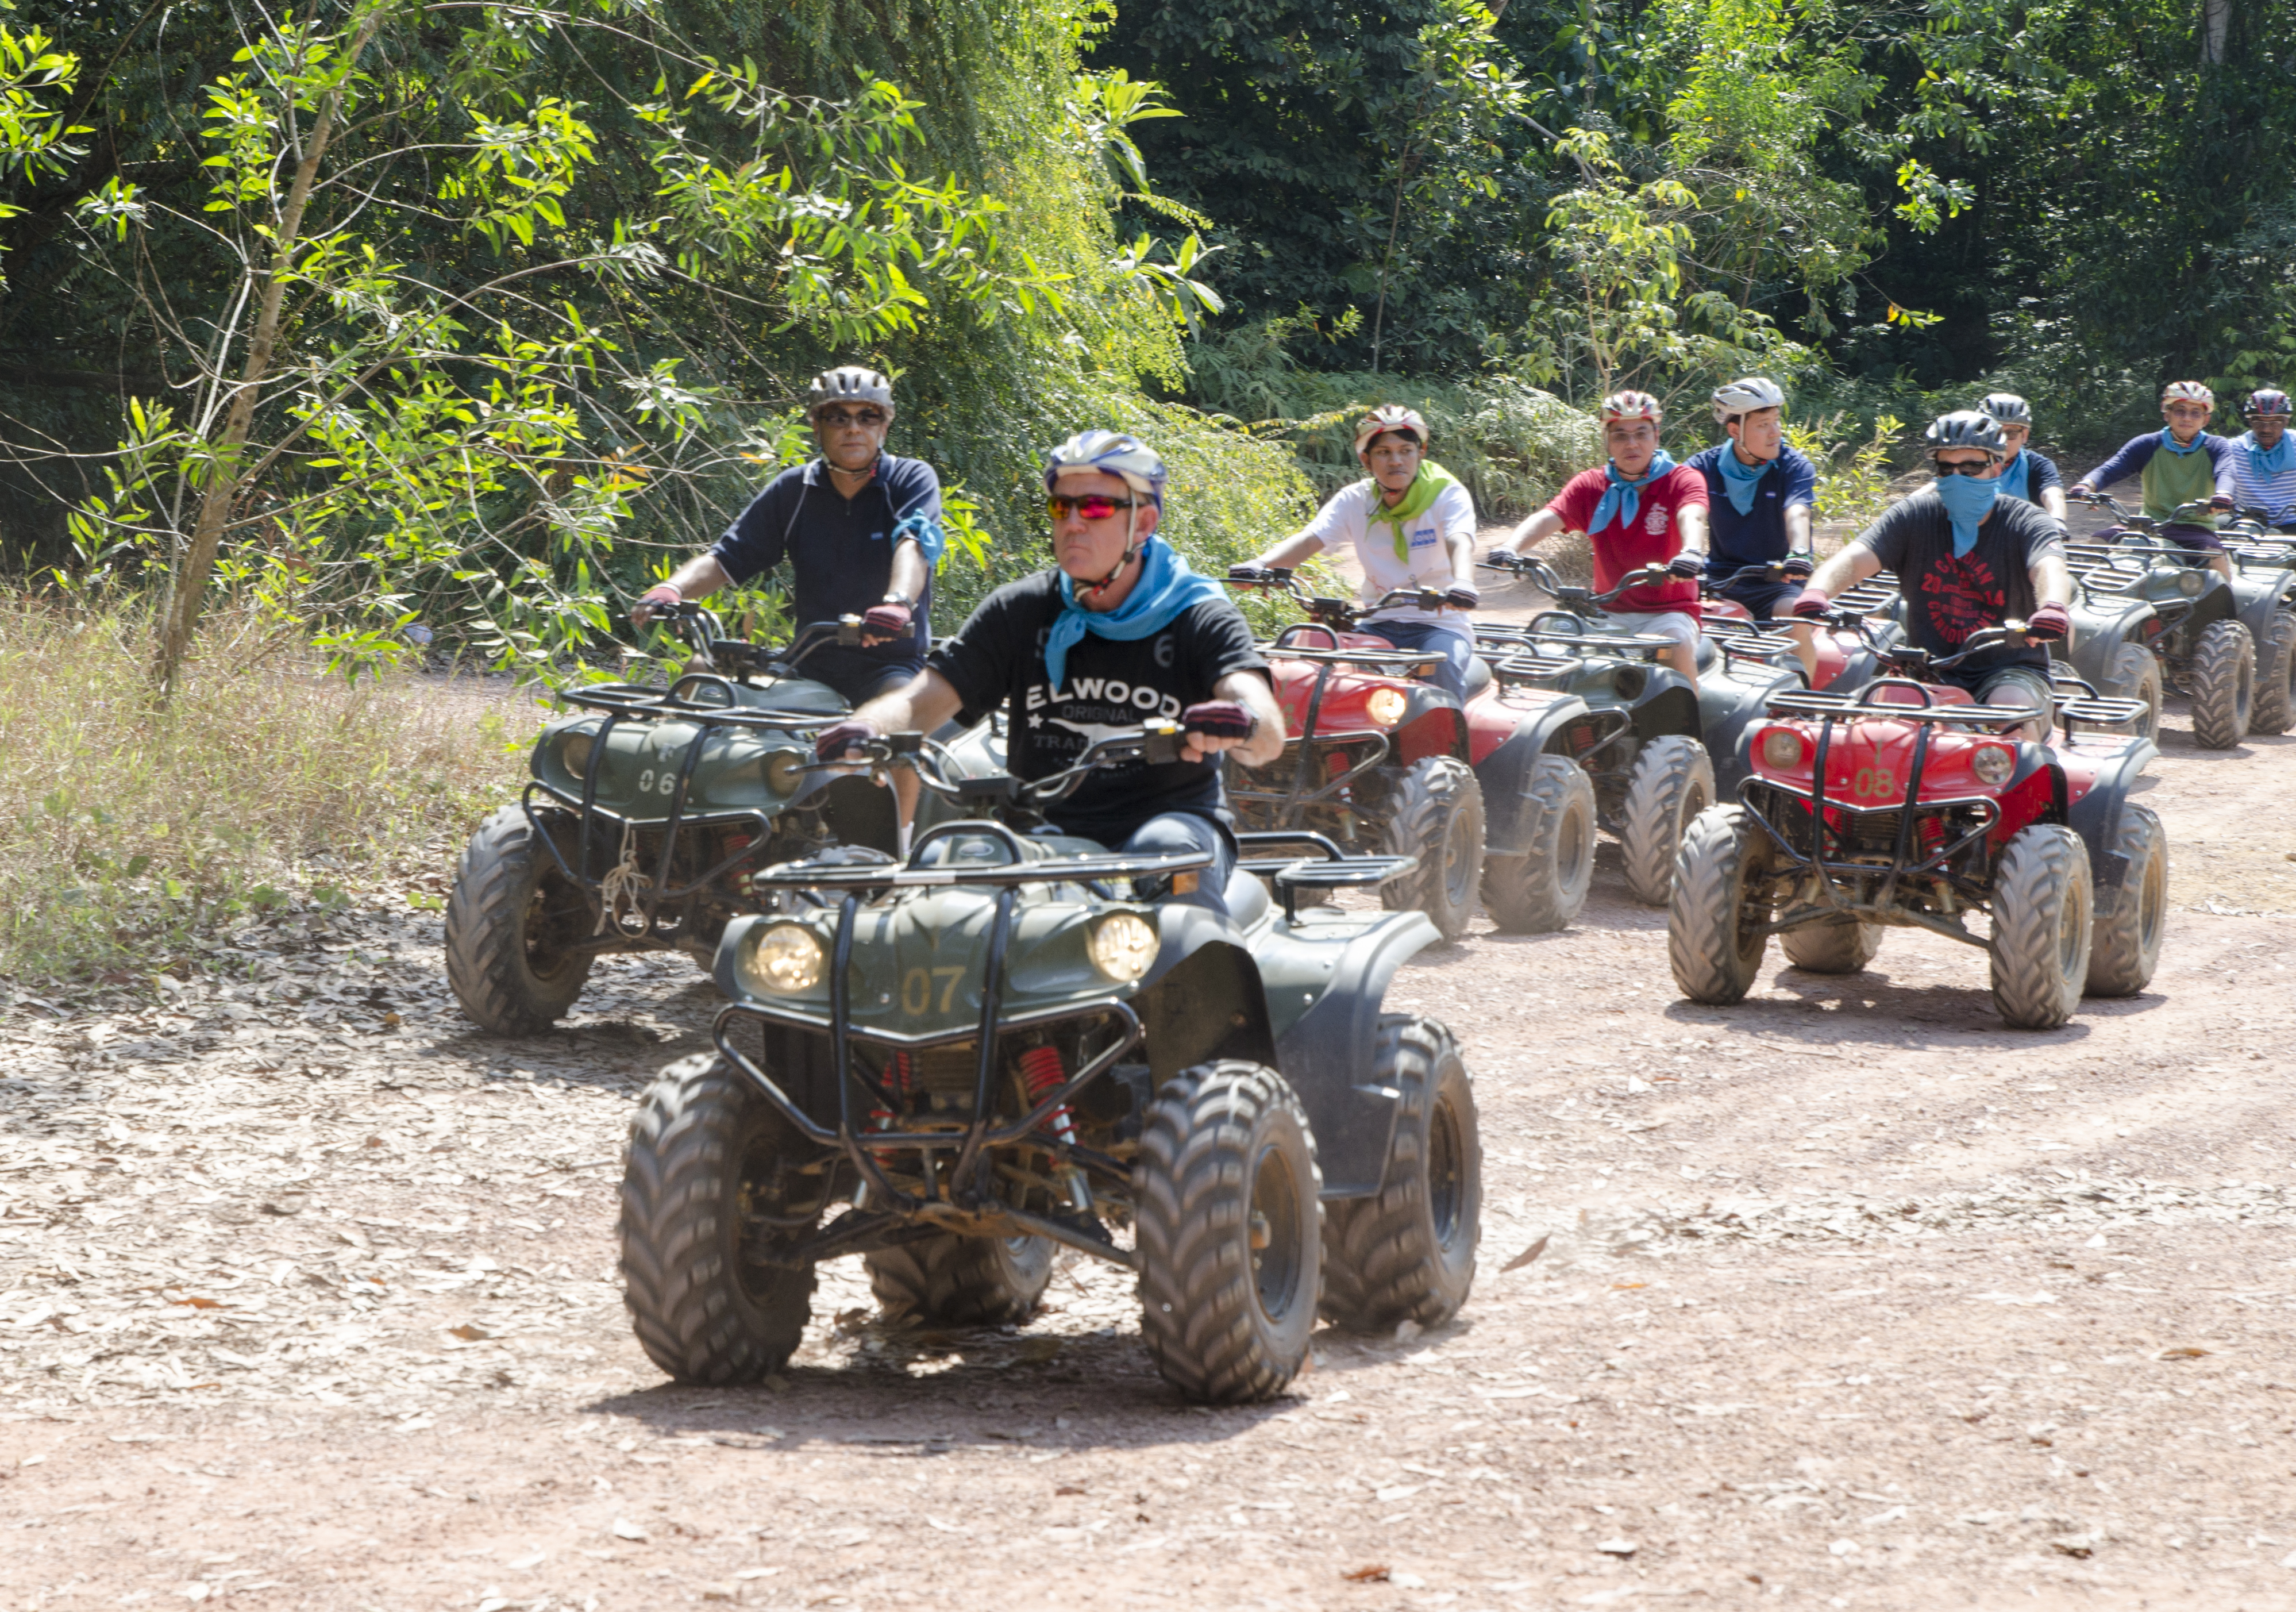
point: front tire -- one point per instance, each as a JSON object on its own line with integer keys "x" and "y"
{"x": 962, "y": 1281}
{"x": 2137, "y": 676}
{"x": 1715, "y": 954}
{"x": 1545, "y": 889}
{"x": 1831, "y": 948}
{"x": 1435, "y": 812}
{"x": 2129, "y": 919}
{"x": 1672, "y": 781}
{"x": 1407, "y": 1253}
{"x": 2276, "y": 677}
{"x": 707, "y": 1155}
{"x": 2043, "y": 926}
{"x": 2223, "y": 685}
{"x": 1229, "y": 1211}
{"x": 511, "y": 922}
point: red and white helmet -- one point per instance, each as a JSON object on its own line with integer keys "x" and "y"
{"x": 1631, "y": 405}
{"x": 1388, "y": 417}
{"x": 2189, "y": 391}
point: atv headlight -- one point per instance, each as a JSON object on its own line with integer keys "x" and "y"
{"x": 574, "y": 752}
{"x": 1386, "y": 706}
{"x": 1782, "y": 748}
{"x": 2191, "y": 583}
{"x": 1993, "y": 764}
{"x": 782, "y": 958}
{"x": 1122, "y": 946}
{"x": 785, "y": 770}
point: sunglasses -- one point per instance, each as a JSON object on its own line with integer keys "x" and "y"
{"x": 1091, "y": 506}
{"x": 1960, "y": 467}
{"x": 838, "y": 419}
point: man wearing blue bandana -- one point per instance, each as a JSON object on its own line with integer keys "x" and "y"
{"x": 2180, "y": 465}
{"x": 2264, "y": 475}
{"x": 1759, "y": 492}
{"x": 1119, "y": 632}
{"x": 2028, "y": 475}
{"x": 1966, "y": 559}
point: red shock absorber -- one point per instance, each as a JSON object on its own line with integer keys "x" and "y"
{"x": 1041, "y": 1071}
{"x": 900, "y": 1081}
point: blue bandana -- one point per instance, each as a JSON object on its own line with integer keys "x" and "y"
{"x": 2283, "y": 456}
{"x": 1967, "y": 501}
{"x": 1739, "y": 481}
{"x": 1165, "y": 588}
{"x": 1624, "y": 498}
{"x": 2013, "y": 478}
{"x": 929, "y": 535}
{"x": 2168, "y": 441}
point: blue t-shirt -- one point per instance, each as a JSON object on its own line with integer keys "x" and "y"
{"x": 841, "y": 555}
{"x": 2040, "y": 474}
{"x": 1757, "y": 537}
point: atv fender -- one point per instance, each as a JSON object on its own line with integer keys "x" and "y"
{"x": 2101, "y": 629}
{"x": 1564, "y": 727}
{"x": 1201, "y": 999}
{"x": 1670, "y": 707}
{"x": 1432, "y": 725}
{"x": 2260, "y": 601}
{"x": 2096, "y": 816}
{"x": 1730, "y": 704}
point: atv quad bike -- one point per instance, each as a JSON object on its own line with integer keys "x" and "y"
{"x": 1371, "y": 753}
{"x": 1846, "y": 661}
{"x": 1656, "y": 769}
{"x": 647, "y": 812}
{"x": 2264, "y": 582}
{"x": 1908, "y": 804}
{"x": 951, "y": 1063}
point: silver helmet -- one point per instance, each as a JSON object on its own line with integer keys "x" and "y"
{"x": 850, "y": 383}
{"x": 2006, "y": 407}
{"x": 1117, "y": 454}
{"x": 1967, "y": 428}
{"x": 1744, "y": 397}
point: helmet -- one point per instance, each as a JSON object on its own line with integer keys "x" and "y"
{"x": 1631, "y": 405}
{"x": 1387, "y": 417}
{"x": 850, "y": 383}
{"x": 2006, "y": 407}
{"x": 1967, "y": 428}
{"x": 1742, "y": 397}
{"x": 1112, "y": 453}
{"x": 2266, "y": 400}
{"x": 2191, "y": 391}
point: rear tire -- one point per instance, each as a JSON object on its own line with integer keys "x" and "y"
{"x": 1435, "y": 812}
{"x": 705, "y": 1152}
{"x": 2044, "y": 906}
{"x": 510, "y": 921}
{"x": 1226, "y": 1161}
{"x": 1831, "y": 948}
{"x": 1407, "y": 1253}
{"x": 2137, "y": 676}
{"x": 2223, "y": 685}
{"x": 1545, "y": 889}
{"x": 2129, "y": 919}
{"x": 1671, "y": 782}
{"x": 1715, "y": 957}
{"x": 962, "y": 1281}
{"x": 2276, "y": 677}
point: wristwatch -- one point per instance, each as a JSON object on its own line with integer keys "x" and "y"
{"x": 902, "y": 599}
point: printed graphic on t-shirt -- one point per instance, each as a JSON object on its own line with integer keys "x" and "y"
{"x": 1093, "y": 708}
{"x": 1655, "y": 522}
{"x": 1962, "y": 595}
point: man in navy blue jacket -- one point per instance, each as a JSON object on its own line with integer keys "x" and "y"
{"x": 1758, "y": 495}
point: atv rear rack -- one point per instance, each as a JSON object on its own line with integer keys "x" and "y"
{"x": 1337, "y": 871}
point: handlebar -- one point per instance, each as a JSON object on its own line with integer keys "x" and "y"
{"x": 701, "y": 627}
{"x": 1340, "y": 613}
{"x": 1156, "y": 744}
{"x": 1568, "y": 596}
{"x": 2204, "y": 511}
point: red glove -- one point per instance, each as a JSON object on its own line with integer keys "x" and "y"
{"x": 1219, "y": 719}
{"x": 662, "y": 595}
{"x": 833, "y": 741}
{"x": 881, "y": 622}
{"x": 2049, "y": 621}
{"x": 1813, "y": 602}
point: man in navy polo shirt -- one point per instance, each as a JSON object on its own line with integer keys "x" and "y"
{"x": 1758, "y": 495}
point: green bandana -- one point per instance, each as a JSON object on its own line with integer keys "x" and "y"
{"x": 1425, "y": 488}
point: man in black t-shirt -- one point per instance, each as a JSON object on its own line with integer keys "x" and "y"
{"x": 1966, "y": 559}
{"x": 1118, "y": 633}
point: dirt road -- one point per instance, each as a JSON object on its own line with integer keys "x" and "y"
{"x": 1853, "y": 1299}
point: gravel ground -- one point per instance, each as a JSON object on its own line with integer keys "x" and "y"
{"x": 1848, "y": 1298}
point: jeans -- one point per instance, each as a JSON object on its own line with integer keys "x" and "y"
{"x": 1457, "y": 648}
{"x": 1182, "y": 831}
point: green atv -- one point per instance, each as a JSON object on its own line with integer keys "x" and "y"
{"x": 1009, "y": 1041}
{"x": 647, "y": 810}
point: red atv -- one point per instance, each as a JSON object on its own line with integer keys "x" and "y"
{"x": 1907, "y": 803}
{"x": 1483, "y": 793}
{"x": 1845, "y": 659}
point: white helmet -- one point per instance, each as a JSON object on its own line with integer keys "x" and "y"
{"x": 1744, "y": 397}
{"x": 850, "y": 383}
{"x": 2006, "y": 407}
{"x": 1388, "y": 417}
{"x": 2188, "y": 392}
{"x": 1126, "y": 457}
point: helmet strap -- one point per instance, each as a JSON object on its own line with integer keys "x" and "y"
{"x": 1131, "y": 553}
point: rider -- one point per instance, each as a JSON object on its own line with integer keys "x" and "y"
{"x": 2030, "y": 476}
{"x": 1429, "y": 541}
{"x": 1759, "y": 492}
{"x": 1640, "y": 509}
{"x": 2264, "y": 471}
{"x": 2196, "y": 469}
{"x": 1119, "y": 631}
{"x": 1966, "y": 559}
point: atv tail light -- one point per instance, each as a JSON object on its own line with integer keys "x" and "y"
{"x": 1782, "y": 748}
{"x": 574, "y": 753}
{"x": 782, "y": 958}
{"x": 2191, "y": 583}
{"x": 1122, "y": 946}
{"x": 1385, "y": 706}
{"x": 785, "y": 770}
{"x": 1993, "y": 764}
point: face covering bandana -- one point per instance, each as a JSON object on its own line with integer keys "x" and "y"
{"x": 1966, "y": 501}
{"x": 1425, "y": 488}
{"x": 1739, "y": 481}
{"x": 2012, "y": 481}
{"x": 2168, "y": 441}
{"x": 1166, "y": 587}
{"x": 2282, "y": 456}
{"x": 1624, "y": 498}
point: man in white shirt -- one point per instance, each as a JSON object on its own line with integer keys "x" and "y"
{"x": 1412, "y": 526}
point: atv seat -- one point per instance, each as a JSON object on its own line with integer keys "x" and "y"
{"x": 1709, "y": 657}
{"x": 1247, "y": 898}
{"x": 1478, "y": 675}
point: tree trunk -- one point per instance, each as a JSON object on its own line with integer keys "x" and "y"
{"x": 2216, "y": 24}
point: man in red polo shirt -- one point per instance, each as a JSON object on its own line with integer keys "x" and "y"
{"x": 1640, "y": 509}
